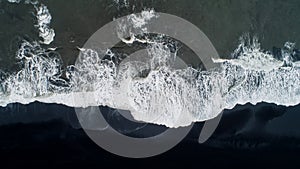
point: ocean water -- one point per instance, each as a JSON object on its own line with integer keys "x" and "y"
{"x": 166, "y": 96}
{"x": 257, "y": 83}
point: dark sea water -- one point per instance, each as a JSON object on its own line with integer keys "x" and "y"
{"x": 41, "y": 134}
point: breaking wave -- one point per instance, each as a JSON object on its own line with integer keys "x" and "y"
{"x": 165, "y": 95}
{"x": 154, "y": 91}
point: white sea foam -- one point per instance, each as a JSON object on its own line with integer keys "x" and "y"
{"x": 121, "y": 3}
{"x": 43, "y": 24}
{"x": 14, "y": 1}
{"x": 135, "y": 24}
{"x": 163, "y": 95}
{"x": 43, "y": 17}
